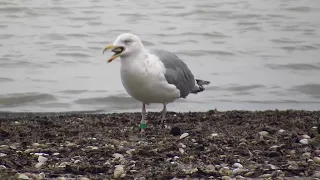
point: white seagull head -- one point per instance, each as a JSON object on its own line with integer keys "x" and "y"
{"x": 126, "y": 44}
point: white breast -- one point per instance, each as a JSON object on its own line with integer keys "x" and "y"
{"x": 144, "y": 80}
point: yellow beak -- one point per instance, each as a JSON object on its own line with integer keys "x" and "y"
{"x": 111, "y": 47}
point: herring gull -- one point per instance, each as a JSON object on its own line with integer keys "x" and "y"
{"x": 152, "y": 76}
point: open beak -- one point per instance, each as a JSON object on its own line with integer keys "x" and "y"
{"x": 116, "y": 49}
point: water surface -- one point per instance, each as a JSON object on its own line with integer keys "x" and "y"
{"x": 257, "y": 54}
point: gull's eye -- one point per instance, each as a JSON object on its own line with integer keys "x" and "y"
{"x": 127, "y": 41}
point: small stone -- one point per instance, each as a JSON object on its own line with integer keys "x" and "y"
{"x": 133, "y": 171}
{"x": 42, "y": 159}
{"x": 23, "y": 176}
{"x": 214, "y": 135}
{"x": 3, "y": 154}
{"x": 238, "y": 171}
{"x": 122, "y": 147}
{"x": 41, "y": 176}
{"x": 278, "y": 173}
{"x": 63, "y": 164}
{"x": 29, "y": 150}
{"x": 93, "y": 147}
{"x": 182, "y": 145}
{"x": 265, "y": 176}
{"x": 317, "y": 152}
{"x": 274, "y": 154}
{"x": 210, "y": 169}
{"x": 181, "y": 150}
{"x": 225, "y": 171}
{"x": 282, "y": 131}
{"x": 69, "y": 144}
{"x": 35, "y": 144}
{"x": 316, "y": 174}
{"x": 56, "y": 154}
{"x": 274, "y": 148}
{"x": 293, "y": 165}
{"x": 271, "y": 166}
{"x": 4, "y": 147}
{"x": 226, "y": 178}
{"x": 39, "y": 164}
{"x": 310, "y": 161}
{"x": 40, "y": 154}
{"x": 61, "y": 178}
{"x": 76, "y": 161}
{"x": 263, "y": 133}
{"x": 13, "y": 147}
{"x": 84, "y": 178}
{"x": 304, "y": 141}
{"x": 237, "y": 165}
{"x": 316, "y": 160}
{"x": 130, "y": 151}
{"x": 194, "y": 170}
{"x": 175, "y": 131}
{"x": 118, "y": 171}
{"x": 292, "y": 152}
{"x": 3, "y": 167}
{"x": 184, "y": 135}
{"x": 248, "y": 174}
{"x": 119, "y": 157}
{"x": 239, "y": 177}
{"x": 306, "y": 155}
{"x": 305, "y": 136}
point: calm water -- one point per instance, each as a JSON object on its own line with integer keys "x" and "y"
{"x": 258, "y": 54}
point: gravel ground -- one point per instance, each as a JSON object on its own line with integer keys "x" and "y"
{"x": 195, "y": 145}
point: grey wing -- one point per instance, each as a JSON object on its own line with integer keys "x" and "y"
{"x": 177, "y": 72}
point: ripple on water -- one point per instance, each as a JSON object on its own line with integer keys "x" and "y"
{"x": 213, "y": 34}
{"x": 53, "y": 36}
{"x": 247, "y": 23}
{"x": 286, "y": 41}
{"x": 72, "y": 54}
{"x": 294, "y": 66}
{"x": 5, "y": 36}
{"x": 107, "y": 100}
{"x": 112, "y": 102}
{"x": 74, "y": 91}
{"x": 17, "y": 99}
{"x": 7, "y": 10}
{"x": 299, "y": 47}
{"x": 3, "y": 26}
{"x": 77, "y": 35}
{"x": 234, "y": 87}
{"x": 301, "y": 9}
{"x": 4, "y": 79}
{"x": 83, "y": 18}
{"x": 198, "y": 53}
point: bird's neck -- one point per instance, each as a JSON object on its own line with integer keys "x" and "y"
{"x": 140, "y": 56}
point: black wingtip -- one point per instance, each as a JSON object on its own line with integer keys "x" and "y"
{"x": 202, "y": 82}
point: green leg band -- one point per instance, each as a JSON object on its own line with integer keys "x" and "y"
{"x": 142, "y": 126}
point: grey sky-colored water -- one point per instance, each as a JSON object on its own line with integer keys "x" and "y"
{"x": 258, "y": 54}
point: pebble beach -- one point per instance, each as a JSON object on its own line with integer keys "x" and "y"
{"x": 194, "y": 145}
